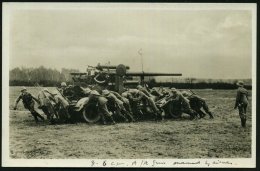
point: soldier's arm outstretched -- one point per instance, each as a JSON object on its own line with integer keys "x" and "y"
{"x": 17, "y": 101}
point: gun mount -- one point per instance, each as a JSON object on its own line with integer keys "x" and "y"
{"x": 114, "y": 77}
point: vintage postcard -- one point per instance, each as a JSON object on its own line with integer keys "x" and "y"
{"x": 149, "y": 85}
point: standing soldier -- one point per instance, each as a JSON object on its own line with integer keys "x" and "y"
{"x": 28, "y": 102}
{"x": 241, "y": 102}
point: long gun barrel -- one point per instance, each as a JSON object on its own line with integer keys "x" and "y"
{"x": 152, "y": 74}
{"x": 109, "y": 67}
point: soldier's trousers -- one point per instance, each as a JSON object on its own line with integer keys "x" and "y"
{"x": 187, "y": 109}
{"x": 206, "y": 109}
{"x": 105, "y": 113}
{"x": 127, "y": 105}
{"x": 242, "y": 114}
{"x": 154, "y": 108}
{"x": 34, "y": 113}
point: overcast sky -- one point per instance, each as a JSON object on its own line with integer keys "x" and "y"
{"x": 202, "y": 44}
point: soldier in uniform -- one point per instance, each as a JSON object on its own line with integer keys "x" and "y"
{"x": 137, "y": 95}
{"x": 183, "y": 103}
{"x": 196, "y": 103}
{"x": 120, "y": 104}
{"x": 47, "y": 103}
{"x": 28, "y": 102}
{"x": 156, "y": 93}
{"x": 94, "y": 96}
{"x": 124, "y": 100}
{"x": 144, "y": 90}
{"x": 71, "y": 92}
{"x": 242, "y": 102}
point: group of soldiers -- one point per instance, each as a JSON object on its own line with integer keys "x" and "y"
{"x": 124, "y": 105}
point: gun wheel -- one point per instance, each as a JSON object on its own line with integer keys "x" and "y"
{"x": 90, "y": 113}
{"x": 173, "y": 111}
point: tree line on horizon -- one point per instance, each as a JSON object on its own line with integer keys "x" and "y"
{"x": 40, "y": 76}
{"x": 47, "y": 77}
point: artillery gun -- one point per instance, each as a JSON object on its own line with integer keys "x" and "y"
{"x": 111, "y": 77}
{"x": 114, "y": 77}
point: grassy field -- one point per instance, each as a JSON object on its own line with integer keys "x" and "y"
{"x": 221, "y": 137}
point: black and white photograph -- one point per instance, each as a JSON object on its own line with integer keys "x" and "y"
{"x": 135, "y": 85}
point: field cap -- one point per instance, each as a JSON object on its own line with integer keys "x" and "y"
{"x": 240, "y": 83}
{"x": 23, "y": 89}
{"x": 105, "y": 92}
{"x": 87, "y": 90}
{"x": 94, "y": 92}
{"x": 63, "y": 84}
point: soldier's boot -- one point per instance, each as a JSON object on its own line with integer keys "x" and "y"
{"x": 103, "y": 119}
{"x": 210, "y": 115}
{"x": 193, "y": 116}
{"x": 123, "y": 117}
{"x": 161, "y": 114}
{"x": 36, "y": 119}
{"x": 42, "y": 118}
{"x": 112, "y": 120}
{"x": 130, "y": 116}
{"x": 202, "y": 115}
{"x": 38, "y": 115}
{"x": 243, "y": 122}
{"x": 68, "y": 117}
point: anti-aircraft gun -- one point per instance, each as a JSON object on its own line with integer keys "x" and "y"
{"x": 114, "y": 77}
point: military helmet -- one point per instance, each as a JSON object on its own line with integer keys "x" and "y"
{"x": 173, "y": 89}
{"x": 240, "y": 83}
{"x": 124, "y": 94}
{"x": 105, "y": 92}
{"x": 94, "y": 92}
{"x": 23, "y": 89}
{"x": 63, "y": 84}
{"x": 87, "y": 90}
{"x": 185, "y": 93}
{"x": 133, "y": 91}
{"x": 139, "y": 87}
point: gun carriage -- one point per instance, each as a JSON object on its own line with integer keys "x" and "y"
{"x": 115, "y": 78}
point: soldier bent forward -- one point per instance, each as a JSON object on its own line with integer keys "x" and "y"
{"x": 196, "y": 103}
{"x": 28, "y": 102}
{"x": 183, "y": 103}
